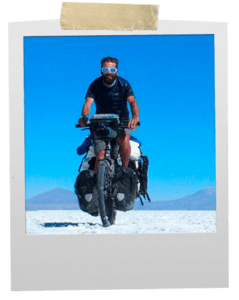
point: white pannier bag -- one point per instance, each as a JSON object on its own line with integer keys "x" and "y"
{"x": 135, "y": 151}
{"x": 134, "y": 155}
{"x": 85, "y": 162}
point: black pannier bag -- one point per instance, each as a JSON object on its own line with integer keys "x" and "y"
{"x": 144, "y": 175}
{"x": 86, "y": 191}
{"x": 125, "y": 189}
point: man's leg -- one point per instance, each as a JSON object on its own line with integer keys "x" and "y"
{"x": 99, "y": 156}
{"x": 125, "y": 148}
{"x": 100, "y": 153}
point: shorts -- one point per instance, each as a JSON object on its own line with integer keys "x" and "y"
{"x": 101, "y": 145}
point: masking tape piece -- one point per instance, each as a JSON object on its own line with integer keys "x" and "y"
{"x": 102, "y": 16}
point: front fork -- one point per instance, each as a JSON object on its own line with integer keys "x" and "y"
{"x": 104, "y": 187}
{"x": 106, "y": 173}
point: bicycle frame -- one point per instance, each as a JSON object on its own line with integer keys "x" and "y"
{"x": 106, "y": 169}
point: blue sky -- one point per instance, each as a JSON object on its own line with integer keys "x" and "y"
{"x": 173, "y": 80}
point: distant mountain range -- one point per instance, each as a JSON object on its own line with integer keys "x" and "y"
{"x": 56, "y": 199}
{"x": 204, "y": 199}
{"x": 62, "y": 199}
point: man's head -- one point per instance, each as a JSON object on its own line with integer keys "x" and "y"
{"x": 109, "y": 69}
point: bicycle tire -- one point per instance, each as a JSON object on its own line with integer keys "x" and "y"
{"x": 101, "y": 197}
{"x": 110, "y": 211}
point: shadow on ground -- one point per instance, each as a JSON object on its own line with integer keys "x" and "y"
{"x": 66, "y": 224}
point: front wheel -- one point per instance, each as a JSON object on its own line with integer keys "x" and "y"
{"x": 101, "y": 182}
{"x": 110, "y": 211}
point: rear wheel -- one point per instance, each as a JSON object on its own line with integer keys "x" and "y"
{"x": 101, "y": 182}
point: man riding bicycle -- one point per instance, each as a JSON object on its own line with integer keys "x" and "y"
{"x": 111, "y": 94}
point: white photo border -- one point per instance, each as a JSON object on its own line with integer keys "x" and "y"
{"x": 94, "y": 262}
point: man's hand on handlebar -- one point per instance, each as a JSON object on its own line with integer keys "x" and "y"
{"x": 133, "y": 124}
{"x": 83, "y": 121}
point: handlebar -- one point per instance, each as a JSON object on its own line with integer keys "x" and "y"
{"x": 87, "y": 126}
{"x": 78, "y": 126}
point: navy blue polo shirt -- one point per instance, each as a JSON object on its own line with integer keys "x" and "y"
{"x": 111, "y": 99}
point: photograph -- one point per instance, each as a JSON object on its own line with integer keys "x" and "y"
{"x": 120, "y": 134}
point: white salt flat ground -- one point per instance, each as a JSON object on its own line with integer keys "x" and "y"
{"x": 131, "y": 222}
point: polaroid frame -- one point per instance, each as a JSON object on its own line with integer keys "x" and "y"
{"x": 122, "y": 261}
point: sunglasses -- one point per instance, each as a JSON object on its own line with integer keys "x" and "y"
{"x": 111, "y": 70}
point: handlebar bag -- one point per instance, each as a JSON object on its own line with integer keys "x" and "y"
{"x": 86, "y": 191}
{"x": 125, "y": 189}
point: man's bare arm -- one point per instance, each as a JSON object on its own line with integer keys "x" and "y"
{"x": 86, "y": 109}
{"x": 135, "y": 112}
